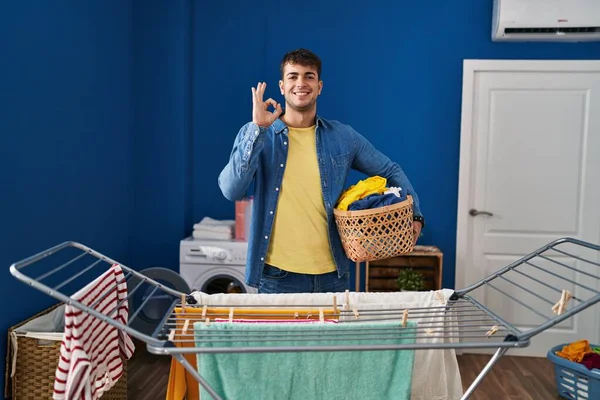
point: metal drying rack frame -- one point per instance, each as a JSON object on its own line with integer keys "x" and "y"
{"x": 461, "y": 322}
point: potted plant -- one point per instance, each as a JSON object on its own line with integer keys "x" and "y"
{"x": 410, "y": 280}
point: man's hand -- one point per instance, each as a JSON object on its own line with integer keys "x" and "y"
{"x": 417, "y": 226}
{"x": 261, "y": 115}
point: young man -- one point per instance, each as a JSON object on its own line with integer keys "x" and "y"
{"x": 299, "y": 162}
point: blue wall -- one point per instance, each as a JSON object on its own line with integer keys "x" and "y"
{"x": 65, "y": 123}
{"x": 394, "y": 73}
{"x": 161, "y": 130}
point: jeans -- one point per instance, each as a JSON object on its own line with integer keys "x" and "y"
{"x": 275, "y": 280}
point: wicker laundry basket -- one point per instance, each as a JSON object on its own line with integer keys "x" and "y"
{"x": 377, "y": 233}
{"x": 36, "y": 362}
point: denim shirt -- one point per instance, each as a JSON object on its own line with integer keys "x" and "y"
{"x": 259, "y": 154}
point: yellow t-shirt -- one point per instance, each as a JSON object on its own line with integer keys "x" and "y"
{"x": 299, "y": 239}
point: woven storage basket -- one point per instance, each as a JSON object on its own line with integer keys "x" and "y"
{"x": 36, "y": 367}
{"x": 377, "y": 233}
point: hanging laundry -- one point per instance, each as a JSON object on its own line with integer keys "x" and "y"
{"x": 276, "y": 321}
{"x": 337, "y": 375}
{"x": 181, "y": 384}
{"x": 364, "y": 188}
{"x": 91, "y": 351}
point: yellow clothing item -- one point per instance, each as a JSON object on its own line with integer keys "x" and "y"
{"x": 182, "y": 385}
{"x": 299, "y": 238}
{"x": 575, "y": 351}
{"x": 364, "y": 188}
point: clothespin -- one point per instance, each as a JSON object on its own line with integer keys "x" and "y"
{"x": 172, "y": 335}
{"x": 231, "y": 314}
{"x": 492, "y": 331}
{"x": 321, "y": 316}
{"x": 335, "y": 310}
{"x": 355, "y": 311}
{"x": 404, "y": 318}
{"x": 347, "y": 298}
{"x": 204, "y": 311}
{"x": 183, "y": 302}
{"x": 207, "y": 321}
{"x": 440, "y": 297}
{"x": 429, "y": 331}
{"x": 308, "y": 316}
{"x": 185, "y": 326}
{"x": 296, "y": 315}
{"x": 559, "y": 307}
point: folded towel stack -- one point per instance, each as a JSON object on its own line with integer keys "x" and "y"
{"x": 209, "y": 228}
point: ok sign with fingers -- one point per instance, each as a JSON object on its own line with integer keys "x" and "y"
{"x": 261, "y": 115}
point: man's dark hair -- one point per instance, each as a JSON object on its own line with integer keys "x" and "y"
{"x": 303, "y": 57}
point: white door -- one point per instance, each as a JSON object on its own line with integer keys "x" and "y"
{"x": 530, "y": 156}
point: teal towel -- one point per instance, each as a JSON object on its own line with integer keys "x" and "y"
{"x": 344, "y": 375}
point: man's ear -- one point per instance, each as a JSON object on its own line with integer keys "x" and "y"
{"x": 281, "y": 86}
{"x": 320, "y": 86}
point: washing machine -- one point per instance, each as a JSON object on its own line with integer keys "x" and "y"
{"x": 214, "y": 266}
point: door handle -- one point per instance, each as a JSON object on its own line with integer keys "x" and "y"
{"x": 475, "y": 212}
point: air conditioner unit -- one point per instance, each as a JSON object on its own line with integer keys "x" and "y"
{"x": 546, "y": 20}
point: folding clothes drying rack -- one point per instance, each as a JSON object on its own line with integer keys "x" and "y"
{"x": 542, "y": 274}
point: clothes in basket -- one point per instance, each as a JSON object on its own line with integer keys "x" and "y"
{"x": 364, "y": 188}
{"x": 376, "y": 200}
{"x": 581, "y": 352}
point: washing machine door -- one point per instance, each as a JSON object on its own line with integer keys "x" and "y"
{"x": 223, "y": 283}
{"x": 215, "y": 279}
